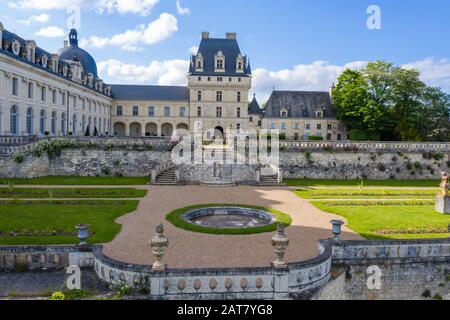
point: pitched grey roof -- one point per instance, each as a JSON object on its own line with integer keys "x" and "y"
{"x": 209, "y": 48}
{"x": 161, "y": 93}
{"x": 299, "y": 104}
{"x": 254, "y": 108}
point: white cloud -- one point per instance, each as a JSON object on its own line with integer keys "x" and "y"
{"x": 182, "y": 11}
{"x": 42, "y": 18}
{"x": 193, "y": 50}
{"x": 142, "y": 7}
{"x": 435, "y": 72}
{"x": 319, "y": 75}
{"x": 162, "y": 28}
{"x": 169, "y": 72}
{"x": 46, "y": 4}
{"x": 51, "y": 32}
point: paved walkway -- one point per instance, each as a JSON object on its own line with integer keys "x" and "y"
{"x": 194, "y": 250}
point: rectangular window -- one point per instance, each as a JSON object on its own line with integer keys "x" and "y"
{"x": 273, "y": 126}
{"x": 15, "y": 87}
{"x": 119, "y": 111}
{"x": 30, "y": 90}
{"x": 319, "y": 126}
{"x": 283, "y": 126}
{"x": 135, "y": 111}
{"x": 330, "y": 127}
{"x": 44, "y": 94}
{"x": 199, "y": 112}
{"x": 296, "y": 126}
{"x": 308, "y": 126}
{"x": 63, "y": 99}
{"x": 219, "y": 96}
{"x": 199, "y": 79}
{"x": 151, "y": 111}
{"x": 219, "y": 64}
{"x": 166, "y": 111}
{"x": 54, "y": 95}
{"x": 239, "y": 96}
{"x": 199, "y": 96}
{"x": 219, "y": 112}
{"x": 182, "y": 112}
{"x": 219, "y": 79}
{"x": 238, "y": 115}
{"x": 250, "y": 119}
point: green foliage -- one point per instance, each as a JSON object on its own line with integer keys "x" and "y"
{"x": 315, "y": 138}
{"x": 58, "y": 296}
{"x": 176, "y": 218}
{"x": 19, "y": 158}
{"x": 53, "y": 148}
{"x": 121, "y": 289}
{"x": 392, "y": 103}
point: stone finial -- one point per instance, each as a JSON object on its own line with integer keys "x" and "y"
{"x": 280, "y": 243}
{"x": 337, "y": 228}
{"x": 159, "y": 244}
{"x": 83, "y": 234}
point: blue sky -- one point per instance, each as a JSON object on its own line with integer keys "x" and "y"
{"x": 292, "y": 44}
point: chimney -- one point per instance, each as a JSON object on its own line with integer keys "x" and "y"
{"x": 205, "y": 35}
{"x": 231, "y": 35}
{"x": 66, "y": 43}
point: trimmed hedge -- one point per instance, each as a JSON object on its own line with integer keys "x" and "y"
{"x": 176, "y": 218}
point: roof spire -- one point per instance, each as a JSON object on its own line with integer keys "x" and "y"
{"x": 73, "y": 38}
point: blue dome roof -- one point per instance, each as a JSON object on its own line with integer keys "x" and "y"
{"x": 75, "y": 53}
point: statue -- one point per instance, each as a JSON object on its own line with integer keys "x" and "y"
{"x": 217, "y": 171}
{"x": 443, "y": 198}
{"x": 444, "y": 184}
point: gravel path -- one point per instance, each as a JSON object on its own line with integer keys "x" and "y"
{"x": 193, "y": 250}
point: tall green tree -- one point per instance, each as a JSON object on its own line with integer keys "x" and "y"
{"x": 392, "y": 103}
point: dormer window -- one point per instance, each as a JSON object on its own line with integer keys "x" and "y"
{"x": 199, "y": 62}
{"x": 219, "y": 62}
{"x": 240, "y": 60}
{"x": 284, "y": 113}
{"x": 319, "y": 114}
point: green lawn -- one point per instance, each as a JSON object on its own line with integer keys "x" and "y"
{"x": 356, "y": 183}
{"x": 81, "y": 181}
{"x": 366, "y": 193}
{"x": 391, "y": 222}
{"x": 71, "y": 193}
{"x": 53, "y": 222}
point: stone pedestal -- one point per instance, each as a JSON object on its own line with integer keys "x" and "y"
{"x": 443, "y": 204}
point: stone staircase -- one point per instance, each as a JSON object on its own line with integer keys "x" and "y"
{"x": 269, "y": 180}
{"x": 166, "y": 178}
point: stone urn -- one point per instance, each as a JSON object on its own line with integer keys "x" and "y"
{"x": 159, "y": 244}
{"x": 280, "y": 243}
{"x": 337, "y": 228}
{"x": 83, "y": 233}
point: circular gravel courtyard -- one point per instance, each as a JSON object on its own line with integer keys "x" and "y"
{"x": 195, "y": 250}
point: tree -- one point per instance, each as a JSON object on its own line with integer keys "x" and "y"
{"x": 391, "y": 102}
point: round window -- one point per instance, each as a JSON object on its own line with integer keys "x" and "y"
{"x": 16, "y": 47}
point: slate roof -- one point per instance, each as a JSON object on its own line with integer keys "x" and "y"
{"x": 254, "y": 108}
{"x": 300, "y": 104}
{"x": 73, "y": 52}
{"x": 9, "y": 38}
{"x": 209, "y": 47}
{"x": 148, "y": 92}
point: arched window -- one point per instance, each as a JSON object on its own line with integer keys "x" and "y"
{"x": 63, "y": 124}
{"x": 42, "y": 122}
{"x": 30, "y": 118}
{"x": 54, "y": 121}
{"x": 74, "y": 125}
{"x": 14, "y": 120}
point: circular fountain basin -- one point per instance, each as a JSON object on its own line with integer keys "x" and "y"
{"x": 229, "y": 217}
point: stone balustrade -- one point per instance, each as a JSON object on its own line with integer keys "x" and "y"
{"x": 293, "y": 146}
